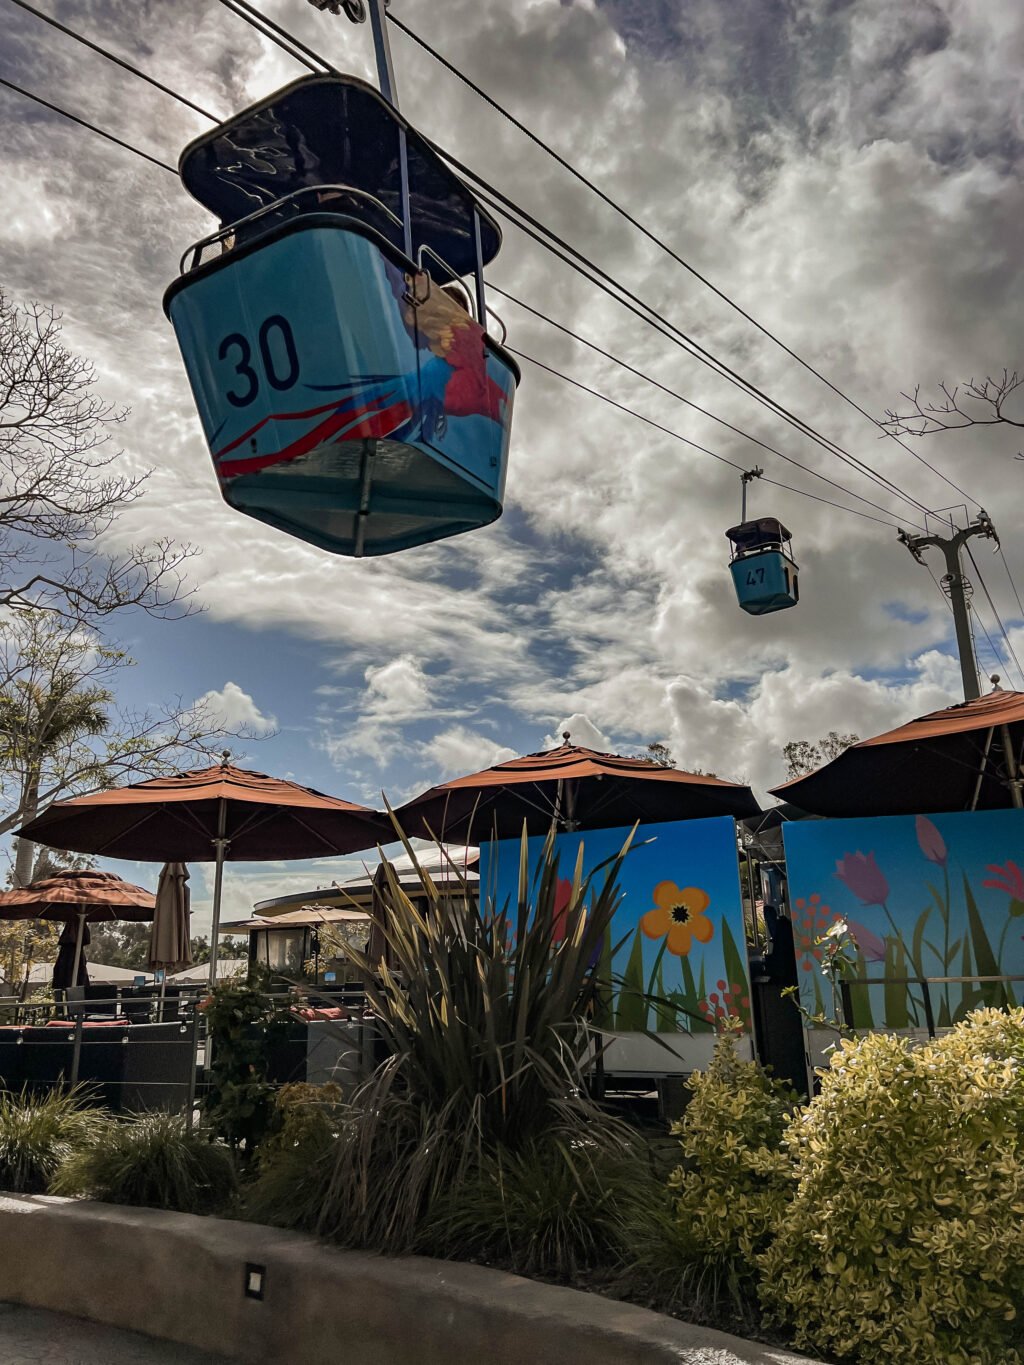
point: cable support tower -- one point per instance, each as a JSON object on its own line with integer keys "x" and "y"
{"x": 656, "y": 240}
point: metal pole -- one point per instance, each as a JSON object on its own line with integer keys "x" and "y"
{"x": 481, "y": 298}
{"x": 76, "y": 1056}
{"x": 382, "y": 51}
{"x": 1012, "y": 771}
{"x": 220, "y": 844}
{"x": 961, "y": 620}
{"x": 190, "y": 1101}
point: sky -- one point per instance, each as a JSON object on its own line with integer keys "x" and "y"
{"x": 848, "y": 171}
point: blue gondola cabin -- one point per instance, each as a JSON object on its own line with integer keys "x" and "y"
{"x": 348, "y": 389}
{"x": 763, "y": 570}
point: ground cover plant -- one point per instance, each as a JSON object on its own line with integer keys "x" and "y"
{"x": 40, "y": 1131}
{"x": 151, "y": 1161}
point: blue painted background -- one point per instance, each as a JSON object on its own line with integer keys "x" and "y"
{"x": 931, "y": 896}
{"x": 697, "y": 985}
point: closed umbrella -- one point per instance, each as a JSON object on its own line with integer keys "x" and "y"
{"x": 77, "y": 897}
{"x": 219, "y": 814}
{"x": 568, "y": 788}
{"x": 964, "y": 757}
{"x": 169, "y": 943}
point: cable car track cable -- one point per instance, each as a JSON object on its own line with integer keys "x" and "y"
{"x": 1012, "y": 653}
{"x": 664, "y": 246}
{"x": 252, "y": 15}
{"x": 672, "y": 393}
{"x": 104, "y": 52}
{"x": 85, "y": 124}
{"x": 722, "y": 459}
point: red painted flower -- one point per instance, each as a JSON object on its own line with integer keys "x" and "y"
{"x": 860, "y": 874}
{"x": 931, "y": 842}
{"x": 1008, "y": 878}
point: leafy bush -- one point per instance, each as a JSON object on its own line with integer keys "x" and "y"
{"x": 736, "y": 1178}
{"x": 905, "y": 1238}
{"x": 484, "y": 1015}
{"x": 293, "y": 1167}
{"x": 244, "y": 1024}
{"x": 151, "y": 1161}
{"x": 39, "y": 1132}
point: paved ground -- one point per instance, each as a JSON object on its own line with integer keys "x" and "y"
{"x": 31, "y": 1337}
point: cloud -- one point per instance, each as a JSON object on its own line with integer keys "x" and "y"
{"x": 235, "y": 709}
{"x": 581, "y": 731}
{"x": 458, "y": 750}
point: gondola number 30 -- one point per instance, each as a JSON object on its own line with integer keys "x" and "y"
{"x": 236, "y": 348}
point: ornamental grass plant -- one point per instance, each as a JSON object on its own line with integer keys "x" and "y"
{"x": 483, "y": 1010}
{"x": 294, "y": 1163}
{"x": 151, "y": 1161}
{"x": 38, "y": 1132}
{"x": 904, "y": 1239}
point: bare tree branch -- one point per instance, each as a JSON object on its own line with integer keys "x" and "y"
{"x": 977, "y": 403}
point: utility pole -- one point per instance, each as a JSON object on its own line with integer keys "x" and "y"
{"x": 956, "y": 585}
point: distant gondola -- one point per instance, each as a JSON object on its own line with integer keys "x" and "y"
{"x": 763, "y": 570}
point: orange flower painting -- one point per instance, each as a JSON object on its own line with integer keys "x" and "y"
{"x": 678, "y": 917}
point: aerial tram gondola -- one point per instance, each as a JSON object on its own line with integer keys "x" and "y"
{"x": 764, "y": 572}
{"x": 348, "y": 388}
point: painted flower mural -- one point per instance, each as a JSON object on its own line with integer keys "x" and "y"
{"x": 930, "y": 841}
{"x": 860, "y": 874}
{"x": 1008, "y": 878}
{"x": 679, "y": 917}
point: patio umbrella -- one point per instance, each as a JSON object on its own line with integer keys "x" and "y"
{"x": 219, "y": 814}
{"x": 569, "y": 788}
{"x": 169, "y": 946}
{"x": 77, "y": 898}
{"x": 964, "y": 757}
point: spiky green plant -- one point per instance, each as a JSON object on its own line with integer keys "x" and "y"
{"x": 152, "y": 1161}
{"x": 484, "y": 1010}
{"x": 40, "y": 1131}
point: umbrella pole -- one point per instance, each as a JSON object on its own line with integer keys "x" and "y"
{"x": 78, "y": 947}
{"x": 220, "y": 844}
{"x": 981, "y": 770}
{"x": 1012, "y": 770}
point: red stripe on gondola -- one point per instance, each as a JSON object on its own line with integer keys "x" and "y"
{"x": 378, "y": 425}
{"x": 284, "y": 417}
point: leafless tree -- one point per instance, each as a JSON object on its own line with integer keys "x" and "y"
{"x": 978, "y": 403}
{"x": 60, "y": 488}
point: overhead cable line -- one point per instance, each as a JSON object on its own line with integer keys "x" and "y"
{"x": 664, "y": 246}
{"x": 992, "y": 606}
{"x": 112, "y": 57}
{"x": 1013, "y": 585}
{"x": 672, "y": 393}
{"x": 650, "y": 421}
{"x": 586, "y": 267}
{"x": 84, "y": 124}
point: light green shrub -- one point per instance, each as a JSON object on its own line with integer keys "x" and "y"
{"x": 295, "y": 1162}
{"x": 736, "y": 1178}
{"x": 905, "y": 1238}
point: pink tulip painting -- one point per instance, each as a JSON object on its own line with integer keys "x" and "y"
{"x": 930, "y": 841}
{"x": 860, "y": 874}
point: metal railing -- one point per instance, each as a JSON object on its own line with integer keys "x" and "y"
{"x": 846, "y": 994}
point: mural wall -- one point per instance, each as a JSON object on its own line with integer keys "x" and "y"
{"x": 678, "y": 932}
{"x": 922, "y": 896}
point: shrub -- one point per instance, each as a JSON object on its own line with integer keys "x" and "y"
{"x": 293, "y": 1167}
{"x": 555, "y": 1207}
{"x": 905, "y": 1238}
{"x": 151, "y": 1161}
{"x": 39, "y": 1132}
{"x": 484, "y": 1014}
{"x": 245, "y": 1024}
{"x": 736, "y": 1178}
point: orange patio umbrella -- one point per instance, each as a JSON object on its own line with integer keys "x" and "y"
{"x": 86, "y": 896}
{"x": 964, "y": 757}
{"x": 219, "y": 814}
{"x": 569, "y": 788}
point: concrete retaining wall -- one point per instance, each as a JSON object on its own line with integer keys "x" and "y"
{"x": 183, "y": 1278}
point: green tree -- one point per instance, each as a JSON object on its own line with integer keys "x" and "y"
{"x": 62, "y": 732}
{"x": 804, "y": 755}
